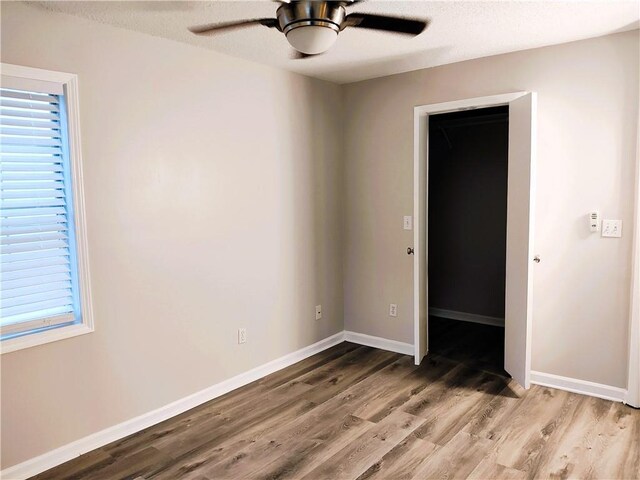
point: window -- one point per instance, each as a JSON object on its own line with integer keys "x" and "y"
{"x": 44, "y": 291}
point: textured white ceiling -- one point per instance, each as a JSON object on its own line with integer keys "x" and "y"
{"x": 460, "y": 30}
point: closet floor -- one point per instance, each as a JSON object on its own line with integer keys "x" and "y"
{"x": 472, "y": 344}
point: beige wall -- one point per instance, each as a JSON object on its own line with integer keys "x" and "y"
{"x": 587, "y": 120}
{"x": 213, "y": 201}
{"x": 216, "y": 197}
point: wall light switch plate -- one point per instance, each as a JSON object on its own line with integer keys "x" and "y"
{"x": 612, "y": 228}
{"x": 242, "y": 335}
{"x": 318, "y": 312}
{"x": 393, "y": 310}
{"x": 408, "y": 222}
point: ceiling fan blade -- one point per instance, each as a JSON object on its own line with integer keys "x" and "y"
{"x": 228, "y": 26}
{"x": 406, "y": 26}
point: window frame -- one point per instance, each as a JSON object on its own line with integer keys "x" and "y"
{"x": 69, "y": 84}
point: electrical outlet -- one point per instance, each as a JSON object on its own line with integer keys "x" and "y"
{"x": 242, "y": 335}
{"x": 393, "y": 310}
{"x": 318, "y": 312}
{"x": 612, "y": 228}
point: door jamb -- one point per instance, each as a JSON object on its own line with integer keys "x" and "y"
{"x": 633, "y": 382}
{"x": 420, "y": 191}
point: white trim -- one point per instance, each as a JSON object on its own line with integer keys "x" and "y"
{"x": 468, "y": 103}
{"x": 38, "y": 323}
{"x": 75, "y": 160}
{"x": 633, "y": 381}
{"x": 40, "y": 338}
{"x": 582, "y": 387}
{"x": 378, "y": 342}
{"x": 69, "y": 83}
{"x": 35, "y": 73}
{"x": 72, "y": 450}
{"x": 420, "y": 162}
{"x": 466, "y": 317}
{"x": 420, "y": 236}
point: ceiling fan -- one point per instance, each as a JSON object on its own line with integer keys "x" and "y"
{"x": 312, "y": 27}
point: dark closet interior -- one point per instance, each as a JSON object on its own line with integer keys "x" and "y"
{"x": 468, "y": 153}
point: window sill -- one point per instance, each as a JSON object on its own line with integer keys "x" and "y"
{"x": 53, "y": 335}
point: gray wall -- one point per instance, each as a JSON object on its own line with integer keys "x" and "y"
{"x": 213, "y": 201}
{"x": 467, "y": 215}
{"x": 587, "y": 121}
{"x": 262, "y": 201}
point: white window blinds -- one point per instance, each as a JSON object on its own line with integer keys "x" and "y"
{"x": 38, "y": 272}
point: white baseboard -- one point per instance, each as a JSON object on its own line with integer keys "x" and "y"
{"x": 378, "y": 342}
{"x": 466, "y": 317}
{"x": 579, "y": 386}
{"x": 630, "y": 400}
{"x": 72, "y": 450}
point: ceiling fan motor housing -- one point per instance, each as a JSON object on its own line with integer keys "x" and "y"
{"x": 298, "y": 14}
{"x": 311, "y": 27}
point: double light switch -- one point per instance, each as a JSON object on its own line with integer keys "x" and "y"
{"x": 610, "y": 228}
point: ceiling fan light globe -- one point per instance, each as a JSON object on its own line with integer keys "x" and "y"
{"x": 312, "y": 39}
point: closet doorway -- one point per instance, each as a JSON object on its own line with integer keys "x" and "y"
{"x": 520, "y": 259}
{"x": 467, "y": 235}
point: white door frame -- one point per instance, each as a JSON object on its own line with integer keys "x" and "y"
{"x": 633, "y": 383}
{"x": 420, "y": 191}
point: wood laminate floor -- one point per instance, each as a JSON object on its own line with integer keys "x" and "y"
{"x": 354, "y": 412}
